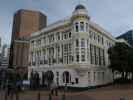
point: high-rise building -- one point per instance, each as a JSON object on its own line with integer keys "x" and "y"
{"x": 5, "y": 55}
{"x": 0, "y": 41}
{"x": 0, "y": 52}
{"x": 128, "y": 36}
{"x": 0, "y": 44}
{"x": 25, "y": 22}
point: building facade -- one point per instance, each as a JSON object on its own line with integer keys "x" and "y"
{"x": 0, "y": 51}
{"x": 5, "y": 56}
{"x": 25, "y": 22}
{"x": 0, "y": 42}
{"x": 74, "y": 50}
{"x": 128, "y": 36}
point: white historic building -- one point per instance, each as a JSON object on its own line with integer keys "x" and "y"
{"x": 74, "y": 49}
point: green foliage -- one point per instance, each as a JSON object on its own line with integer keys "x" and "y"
{"x": 13, "y": 79}
{"x": 121, "y": 58}
{"x": 130, "y": 59}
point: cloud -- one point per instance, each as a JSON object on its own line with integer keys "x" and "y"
{"x": 113, "y": 15}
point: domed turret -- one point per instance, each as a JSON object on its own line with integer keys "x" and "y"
{"x": 79, "y": 7}
{"x": 80, "y": 19}
{"x": 80, "y": 10}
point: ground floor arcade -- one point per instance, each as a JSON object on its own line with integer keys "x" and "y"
{"x": 73, "y": 77}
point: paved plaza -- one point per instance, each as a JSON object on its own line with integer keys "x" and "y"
{"x": 103, "y": 93}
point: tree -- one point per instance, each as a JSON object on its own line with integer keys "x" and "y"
{"x": 12, "y": 81}
{"x": 120, "y": 59}
{"x": 130, "y": 61}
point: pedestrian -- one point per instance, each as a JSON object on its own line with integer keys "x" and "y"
{"x": 54, "y": 88}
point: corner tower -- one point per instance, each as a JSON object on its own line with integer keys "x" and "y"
{"x": 80, "y": 19}
{"x": 80, "y": 28}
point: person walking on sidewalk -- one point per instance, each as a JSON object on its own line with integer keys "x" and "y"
{"x": 54, "y": 89}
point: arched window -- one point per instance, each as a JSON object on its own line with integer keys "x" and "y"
{"x": 82, "y": 26}
{"x": 76, "y": 26}
{"x": 66, "y": 77}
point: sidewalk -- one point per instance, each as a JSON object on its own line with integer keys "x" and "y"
{"x": 104, "y": 93}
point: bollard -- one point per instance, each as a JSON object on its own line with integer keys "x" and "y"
{"x": 38, "y": 96}
{"x": 56, "y": 92}
{"x": 6, "y": 95}
{"x": 50, "y": 97}
{"x": 11, "y": 96}
{"x": 52, "y": 91}
{"x": 63, "y": 97}
{"x": 17, "y": 96}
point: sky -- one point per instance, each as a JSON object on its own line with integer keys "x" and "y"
{"x": 115, "y": 16}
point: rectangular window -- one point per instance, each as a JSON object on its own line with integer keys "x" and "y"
{"x": 76, "y": 27}
{"x": 102, "y": 40}
{"x": 77, "y": 43}
{"x": 103, "y": 58}
{"x": 57, "y": 73}
{"x": 94, "y": 35}
{"x": 44, "y": 40}
{"x": 94, "y": 76}
{"x": 58, "y": 36}
{"x": 99, "y": 56}
{"x": 32, "y": 44}
{"x": 91, "y": 34}
{"x": 39, "y": 42}
{"x": 98, "y": 38}
{"x": 62, "y": 35}
{"x": 82, "y": 43}
{"x": 53, "y": 38}
{"x": 77, "y": 80}
{"x": 70, "y": 34}
{"x": 95, "y": 54}
{"x": 32, "y": 60}
{"x": 102, "y": 75}
{"x": 81, "y": 26}
{"x": 89, "y": 77}
{"x": 101, "y": 61}
{"x": 87, "y": 26}
{"x": 65, "y": 36}
{"x": 91, "y": 57}
{"x": 82, "y": 57}
{"x": 77, "y": 58}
